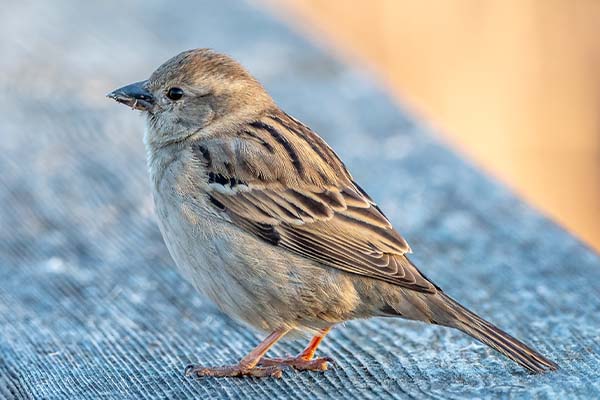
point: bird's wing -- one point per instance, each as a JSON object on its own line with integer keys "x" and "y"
{"x": 280, "y": 181}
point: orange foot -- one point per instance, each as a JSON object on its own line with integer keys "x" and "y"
{"x": 234, "y": 371}
{"x": 300, "y": 362}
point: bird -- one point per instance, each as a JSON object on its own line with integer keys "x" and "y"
{"x": 262, "y": 217}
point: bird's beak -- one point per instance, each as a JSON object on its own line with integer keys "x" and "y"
{"x": 135, "y": 96}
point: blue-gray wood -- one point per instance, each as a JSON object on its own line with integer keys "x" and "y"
{"x": 90, "y": 306}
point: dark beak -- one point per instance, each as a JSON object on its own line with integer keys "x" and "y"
{"x": 135, "y": 96}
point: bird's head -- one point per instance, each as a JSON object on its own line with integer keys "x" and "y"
{"x": 190, "y": 92}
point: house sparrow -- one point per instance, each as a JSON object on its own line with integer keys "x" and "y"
{"x": 262, "y": 217}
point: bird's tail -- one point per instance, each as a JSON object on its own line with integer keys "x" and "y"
{"x": 486, "y": 333}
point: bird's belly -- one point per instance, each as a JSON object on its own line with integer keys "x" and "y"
{"x": 251, "y": 281}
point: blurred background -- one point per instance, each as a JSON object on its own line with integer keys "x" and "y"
{"x": 513, "y": 84}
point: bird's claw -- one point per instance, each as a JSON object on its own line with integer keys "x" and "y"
{"x": 234, "y": 371}
{"x": 299, "y": 363}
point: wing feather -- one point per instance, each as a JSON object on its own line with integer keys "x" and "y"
{"x": 320, "y": 214}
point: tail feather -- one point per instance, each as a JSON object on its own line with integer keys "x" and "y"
{"x": 485, "y": 332}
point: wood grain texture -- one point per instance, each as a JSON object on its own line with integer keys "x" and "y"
{"x": 90, "y": 305}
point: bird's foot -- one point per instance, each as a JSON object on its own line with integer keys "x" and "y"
{"x": 234, "y": 371}
{"x": 300, "y": 363}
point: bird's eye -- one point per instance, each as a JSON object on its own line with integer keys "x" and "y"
{"x": 175, "y": 93}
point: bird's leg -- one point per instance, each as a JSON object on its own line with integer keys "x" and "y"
{"x": 304, "y": 361}
{"x": 247, "y": 365}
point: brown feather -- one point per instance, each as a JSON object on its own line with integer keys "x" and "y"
{"x": 320, "y": 214}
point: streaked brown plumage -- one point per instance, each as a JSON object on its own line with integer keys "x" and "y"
{"x": 263, "y": 217}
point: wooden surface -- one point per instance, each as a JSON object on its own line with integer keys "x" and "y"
{"x": 512, "y": 84}
{"x": 91, "y": 306}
